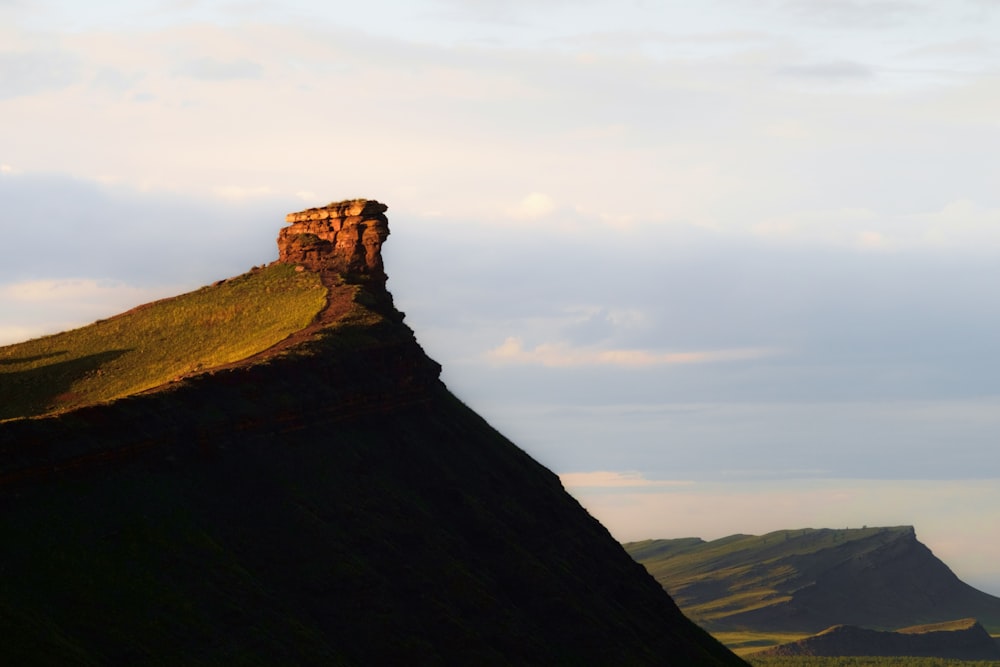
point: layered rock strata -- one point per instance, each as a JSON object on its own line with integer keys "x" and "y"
{"x": 343, "y": 237}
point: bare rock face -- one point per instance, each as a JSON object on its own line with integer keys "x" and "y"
{"x": 343, "y": 237}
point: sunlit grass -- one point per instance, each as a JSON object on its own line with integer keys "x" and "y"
{"x": 156, "y": 343}
{"x": 743, "y": 643}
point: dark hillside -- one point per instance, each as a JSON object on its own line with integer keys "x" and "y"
{"x": 808, "y": 580}
{"x": 325, "y": 502}
{"x": 964, "y": 640}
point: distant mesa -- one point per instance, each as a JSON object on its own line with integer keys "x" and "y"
{"x": 811, "y": 579}
{"x": 343, "y": 237}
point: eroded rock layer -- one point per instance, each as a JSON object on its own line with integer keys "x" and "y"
{"x": 344, "y": 237}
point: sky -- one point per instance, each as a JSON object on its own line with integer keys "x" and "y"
{"x": 726, "y": 267}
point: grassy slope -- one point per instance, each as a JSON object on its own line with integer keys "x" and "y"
{"x": 741, "y": 572}
{"x": 158, "y": 342}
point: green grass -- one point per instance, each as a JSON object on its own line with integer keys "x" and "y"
{"x": 744, "y": 643}
{"x": 958, "y": 624}
{"x": 158, "y": 342}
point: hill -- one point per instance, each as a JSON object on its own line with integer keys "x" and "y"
{"x": 322, "y": 500}
{"x": 158, "y": 342}
{"x": 961, "y": 640}
{"x": 808, "y": 580}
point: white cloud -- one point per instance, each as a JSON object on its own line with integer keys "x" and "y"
{"x": 213, "y": 69}
{"x": 831, "y": 71}
{"x": 960, "y": 223}
{"x": 15, "y": 334}
{"x": 533, "y": 206}
{"x": 605, "y": 479}
{"x": 878, "y": 14}
{"x": 74, "y": 290}
{"x": 25, "y": 73}
{"x": 37, "y": 307}
{"x": 512, "y": 351}
{"x": 243, "y": 192}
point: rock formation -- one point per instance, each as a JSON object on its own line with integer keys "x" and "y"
{"x": 343, "y": 237}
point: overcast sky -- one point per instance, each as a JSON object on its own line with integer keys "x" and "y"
{"x": 726, "y": 266}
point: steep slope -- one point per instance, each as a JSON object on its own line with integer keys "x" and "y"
{"x": 808, "y": 580}
{"x": 326, "y": 501}
{"x": 964, "y": 640}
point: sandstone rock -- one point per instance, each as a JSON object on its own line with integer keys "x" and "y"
{"x": 342, "y": 237}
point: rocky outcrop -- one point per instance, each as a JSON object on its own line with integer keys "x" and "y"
{"x": 342, "y": 237}
{"x": 964, "y": 640}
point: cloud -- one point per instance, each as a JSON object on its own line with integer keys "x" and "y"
{"x": 832, "y": 71}
{"x": 961, "y": 223}
{"x": 242, "y": 192}
{"x": 213, "y": 69}
{"x": 512, "y": 351}
{"x": 144, "y": 238}
{"x": 605, "y": 479}
{"x": 74, "y": 290}
{"x": 856, "y": 13}
{"x": 532, "y": 206}
{"x": 24, "y": 73}
{"x": 38, "y": 307}
{"x": 16, "y": 334}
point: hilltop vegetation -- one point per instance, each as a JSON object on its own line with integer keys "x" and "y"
{"x": 158, "y": 342}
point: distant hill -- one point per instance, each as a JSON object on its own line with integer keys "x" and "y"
{"x": 808, "y": 580}
{"x": 961, "y": 640}
{"x": 248, "y": 475}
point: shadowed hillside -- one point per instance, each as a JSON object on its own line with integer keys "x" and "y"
{"x": 323, "y": 501}
{"x": 809, "y": 580}
{"x": 960, "y": 640}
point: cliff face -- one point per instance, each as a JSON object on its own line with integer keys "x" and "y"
{"x": 325, "y": 502}
{"x": 342, "y": 237}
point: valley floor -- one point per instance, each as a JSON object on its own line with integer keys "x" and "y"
{"x": 745, "y": 644}
{"x": 809, "y": 661}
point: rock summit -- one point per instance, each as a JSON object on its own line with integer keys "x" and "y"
{"x": 343, "y": 237}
